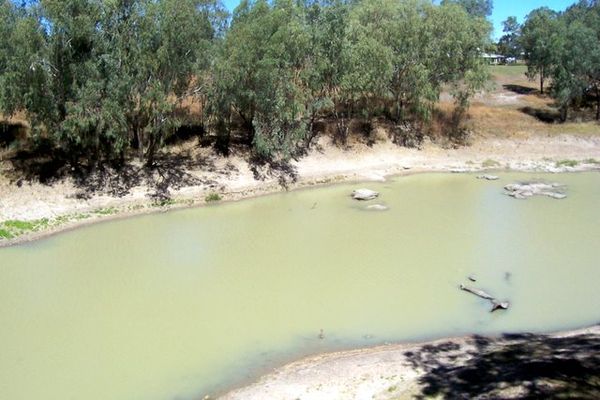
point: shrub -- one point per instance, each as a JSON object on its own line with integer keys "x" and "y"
{"x": 212, "y": 197}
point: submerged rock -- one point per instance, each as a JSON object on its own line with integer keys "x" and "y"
{"x": 488, "y": 177}
{"x": 364, "y": 194}
{"x": 529, "y": 189}
{"x": 377, "y": 207}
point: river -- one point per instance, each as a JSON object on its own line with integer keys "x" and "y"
{"x": 190, "y": 302}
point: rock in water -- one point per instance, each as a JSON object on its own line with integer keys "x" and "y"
{"x": 488, "y": 177}
{"x": 377, "y": 207}
{"x": 525, "y": 190}
{"x": 364, "y": 194}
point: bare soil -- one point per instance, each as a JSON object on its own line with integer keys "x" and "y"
{"x": 511, "y": 366}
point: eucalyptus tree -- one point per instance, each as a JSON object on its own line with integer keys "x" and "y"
{"x": 406, "y": 51}
{"x": 509, "y": 43}
{"x": 8, "y": 23}
{"x": 96, "y": 76}
{"x": 51, "y": 56}
{"x": 151, "y": 52}
{"x": 369, "y": 52}
{"x": 455, "y": 42}
{"x": 327, "y": 64}
{"x": 576, "y": 57}
{"x": 540, "y": 43}
{"x": 259, "y": 76}
{"x": 476, "y": 8}
{"x": 576, "y": 68}
{"x": 590, "y": 16}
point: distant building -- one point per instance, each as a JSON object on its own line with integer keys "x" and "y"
{"x": 494, "y": 59}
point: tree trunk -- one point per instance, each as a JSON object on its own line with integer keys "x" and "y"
{"x": 311, "y": 130}
{"x": 151, "y": 152}
{"x": 542, "y": 81}
{"x": 597, "y": 103}
{"x": 140, "y": 142}
{"x": 564, "y": 113}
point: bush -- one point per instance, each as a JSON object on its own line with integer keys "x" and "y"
{"x": 212, "y": 197}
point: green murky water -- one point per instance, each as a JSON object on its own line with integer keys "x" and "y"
{"x": 176, "y": 305}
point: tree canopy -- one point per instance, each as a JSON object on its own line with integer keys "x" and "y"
{"x": 565, "y": 47}
{"x": 100, "y": 79}
{"x": 477, "y": 8}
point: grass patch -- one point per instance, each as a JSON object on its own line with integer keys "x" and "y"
{"x": 591, "y": 161}
{"x": 567, "y": 163}
{"x": 508, "y": 70}
{"x": 13, "y": 227}
{"x": 77, "y": 217}
{"x": 164, "y": 203}
{"x": 4, "y": 234}
{"x": 212, "y": 197}
{"x": 20, "y": 225}
{"x": 392, "y": 389}
{"x": 105, "y": 211}
{"x": 489, "y": 163}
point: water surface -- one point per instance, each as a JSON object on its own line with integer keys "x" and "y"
{"x": 176, "y": 305}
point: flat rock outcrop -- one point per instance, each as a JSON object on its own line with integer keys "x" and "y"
{"x": 528, "y": 189}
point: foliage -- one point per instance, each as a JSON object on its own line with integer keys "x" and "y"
{"x": 477, "y": 8}
{"x": 540, "y": 42}
{"x": 563, "y": 47}
{"x": 509, "y": 44}
{"x": 567, "y": 163}
{"x": 103, "y": 79}
{"x": 212, "y": 197}
{"x": 99, "y": 76}
{"x": 407, "y": 51}
{"x": 4, "y": 234}
{"x": 576, "y": 70}
{"x": 566, "y": 48}
{"x": 258, "y": 76}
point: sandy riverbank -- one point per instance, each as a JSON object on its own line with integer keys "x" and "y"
{"x": 510, "y": 366}
{"x": 65, "y": 206}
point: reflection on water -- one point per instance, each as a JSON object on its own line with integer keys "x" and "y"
{"x": 175, "y": 305}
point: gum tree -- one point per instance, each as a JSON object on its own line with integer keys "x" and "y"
{"x": 539, "y": 41}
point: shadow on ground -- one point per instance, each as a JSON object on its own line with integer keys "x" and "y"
{"x": 10, "y": 132}
{"x": 168, "y": 172}
{"x": 283, "y": 171}
{"x": 542, "y": 114}
{"x": 523, "y": 366}
{"x": 519, "y": 89}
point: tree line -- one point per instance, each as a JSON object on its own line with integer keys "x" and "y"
{"x": 560, "y": 47}
{"x": 102, "y": 79}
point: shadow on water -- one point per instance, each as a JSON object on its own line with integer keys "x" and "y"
{"x": 523, "y": 366}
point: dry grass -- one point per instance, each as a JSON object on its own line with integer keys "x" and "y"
{"x": 516, "y": 109}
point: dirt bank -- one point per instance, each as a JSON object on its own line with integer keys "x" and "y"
{"x": 510, "y": 366}
{"x": 65, "y": 203}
